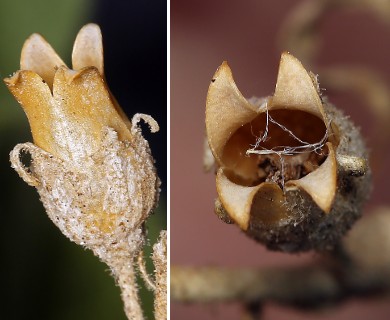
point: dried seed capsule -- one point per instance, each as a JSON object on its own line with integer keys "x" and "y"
{"x": 292, "y": 169}
{"x": 91, "y": 165}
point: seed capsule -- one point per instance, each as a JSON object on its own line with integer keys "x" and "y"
{"x": 291, "y": 168}
{"x": 91, "y": 165}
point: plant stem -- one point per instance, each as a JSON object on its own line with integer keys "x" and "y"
{"x": 126, "y": 278}
{"x": 160, "y": 265}
{"x": 308, "y": 287}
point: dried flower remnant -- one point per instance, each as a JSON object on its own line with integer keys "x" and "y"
{"x": 291, "y": 168}
{"x": 91, "y": 165}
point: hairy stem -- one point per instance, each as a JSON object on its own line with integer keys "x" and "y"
{"x": 144, "y": 272}
{"x": 125, "y": 275}
{"x": 121, "y": 258}
{"x": 160, "y": 264}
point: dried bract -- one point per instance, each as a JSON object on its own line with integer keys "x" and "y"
{"x": 291, "y": 169}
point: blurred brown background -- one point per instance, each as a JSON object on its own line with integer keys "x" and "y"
{"x": 245, "y": 33}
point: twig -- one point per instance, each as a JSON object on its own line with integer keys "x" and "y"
{"x": 307, "y": 287}
{"x": 360, "y": 267}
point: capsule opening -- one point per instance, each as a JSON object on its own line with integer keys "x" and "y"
{"x": 277, "y": 146}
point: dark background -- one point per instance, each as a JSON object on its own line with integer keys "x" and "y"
{"x": 44, "y": 275}
{"x": 245, "y": 33}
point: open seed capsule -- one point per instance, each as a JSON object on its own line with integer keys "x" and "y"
{"x": 291, "y": 169}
